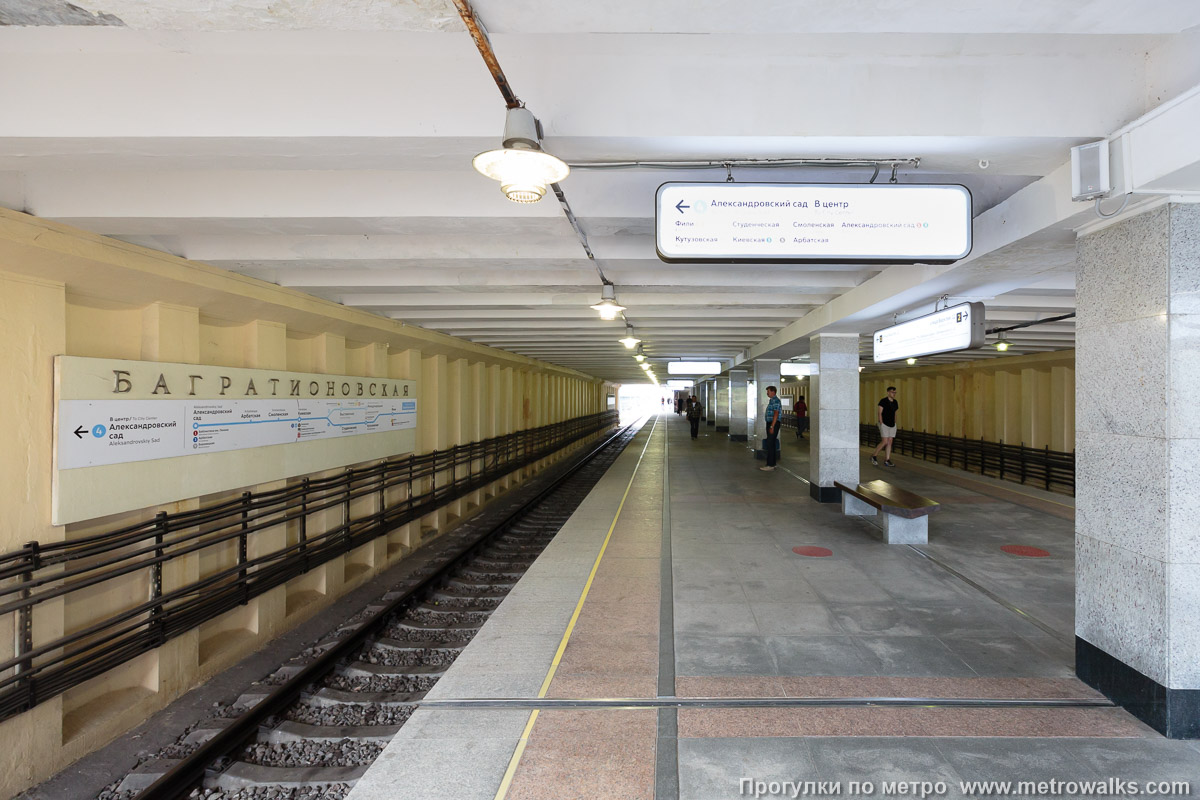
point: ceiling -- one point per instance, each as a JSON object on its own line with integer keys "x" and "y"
{"x": 326, "y": 146}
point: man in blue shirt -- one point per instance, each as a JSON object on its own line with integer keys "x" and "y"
{"x": 772, "y": 415}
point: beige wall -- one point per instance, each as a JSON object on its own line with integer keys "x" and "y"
{"x": 69, "y": 292}
{"x": 1015, "y": 399}
{"x": 1026, "y": 400}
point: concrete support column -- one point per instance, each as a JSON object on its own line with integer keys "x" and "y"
{"x": 833, "y": 408}
{"x": 1137, "y": 546}
{"x": 702, "y": 393}
{"x": 721, "y": 404}
{"x": 766, "y": 373}
{"x": 710, "y": 406}
{"x": 737, "y": 405}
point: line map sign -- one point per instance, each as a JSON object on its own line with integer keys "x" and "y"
{"x": 812, "y": 223}
{"x": 96, "y": 432}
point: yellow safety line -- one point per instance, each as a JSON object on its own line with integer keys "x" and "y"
{"x": 506, "y": 781}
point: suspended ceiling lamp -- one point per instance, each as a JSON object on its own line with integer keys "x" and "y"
{"x": 1002, "y": 342}
{"x": 630, "y": 341}
{"x": 521, "y": 166}
{"x": 639, "y": 356}
{"x": 607, "y": 307}
{"x": 644, "y": 366}
{"x": 911, "y": 361}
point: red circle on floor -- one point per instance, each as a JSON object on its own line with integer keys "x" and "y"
{"x": 812, "y": 552}
{"x": 1025, "y": 550}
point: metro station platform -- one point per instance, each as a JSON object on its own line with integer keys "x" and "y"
{"x": 701, "y": 629}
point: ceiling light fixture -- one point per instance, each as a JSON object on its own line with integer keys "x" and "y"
{"x": 911, "y": 361}
{"x": 1002, "y": 342}
{"x": 608, "y": 307}
{"x": 644, "y": 365}
{"x": 639, "y": 356}
{"x": 630, "y": 341}
{"x": 521, "y": 166}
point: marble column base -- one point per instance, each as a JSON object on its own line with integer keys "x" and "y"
{"x": 722, "y": 429}
{"x": 1175, "y": 713}
{"x": 712, "y": 422}
{"x": 824, "y": 494}
{"x": 737, "y": 437}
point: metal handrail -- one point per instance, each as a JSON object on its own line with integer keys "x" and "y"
{"x": 43, "y": 572}
{"x": 1052, "y": 470}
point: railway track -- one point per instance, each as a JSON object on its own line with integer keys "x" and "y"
{"x": 310, "y": 729}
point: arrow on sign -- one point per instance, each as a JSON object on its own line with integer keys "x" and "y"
{"x": 80, "y": 431}
{"x": 680, "y": 206}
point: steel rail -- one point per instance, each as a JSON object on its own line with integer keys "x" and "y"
{"x": 181, "y": 778}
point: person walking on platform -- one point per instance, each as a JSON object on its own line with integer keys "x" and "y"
{"x": 801, "y": 416}
{"x": 695, "y": 409}
{"x": 773, "y": 415}
{"x": 886, "y": 411}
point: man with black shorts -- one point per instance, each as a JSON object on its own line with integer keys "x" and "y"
{"x": 886, "y": 411}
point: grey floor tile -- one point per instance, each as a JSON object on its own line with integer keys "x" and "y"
{"x": 914, "y": 656}
{"x": 876, "y": 619}
{"x": 995, "y": 759}
{"x": 715, "y": 619}
{"x": 820, "y": 655}
{"x": 844, "y": 586}
{"x": 794, "y": 590}
{"x": 416, "y": 770}
{"x": 484, "y": 723}
{"x": 789, "y": 618}
{"x": 722, "y": 655}
{"x": 1140, "y": 759}
{"x": 713, "y": 769}
{"x": 877, "y": 759}
{"x": 995, "y": 655}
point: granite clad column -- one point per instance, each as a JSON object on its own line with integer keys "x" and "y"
{"x": 737, "y": 405}
{"x": 766, "y": 373}
{"x": 1137, "y": 440}
{"x": 721, "y": 404}
{"x": 833, "y": 407}
{"x": 710, "y": 406}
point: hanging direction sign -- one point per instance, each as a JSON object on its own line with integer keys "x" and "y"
{"x": 812, "y": 223}
{"x": 960, "y": 327}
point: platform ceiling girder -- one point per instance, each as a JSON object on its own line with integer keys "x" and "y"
{"x": 329, "y": 151}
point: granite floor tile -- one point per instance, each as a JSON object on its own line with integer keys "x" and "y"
{"x": 589, "y": 686}
{"x": 611, "y": 655}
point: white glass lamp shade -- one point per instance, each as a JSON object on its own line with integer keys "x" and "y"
{"x": 523, "y": 174}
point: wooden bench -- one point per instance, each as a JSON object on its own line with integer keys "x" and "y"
{"x": 905, "y": 514}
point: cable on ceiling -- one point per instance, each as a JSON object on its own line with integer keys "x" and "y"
{"x": 1031, "y": 324}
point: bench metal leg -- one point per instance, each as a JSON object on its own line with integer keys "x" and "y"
{"x": 901, "y": 530}
{"x": 853, "y": 507}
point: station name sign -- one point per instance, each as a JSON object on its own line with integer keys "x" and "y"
{"x": 812, "y": 223}
{"x": 959, "y": 327}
